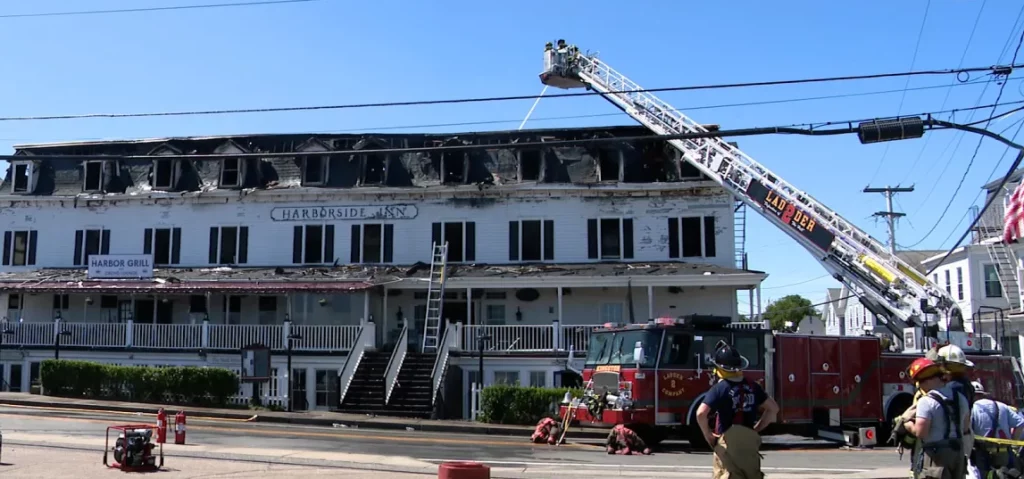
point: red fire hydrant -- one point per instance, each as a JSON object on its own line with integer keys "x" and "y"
{"x": 179, "y": 428}
{"x": 161, "y": 426}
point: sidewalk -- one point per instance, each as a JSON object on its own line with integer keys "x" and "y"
{"x": 311, "y": 418}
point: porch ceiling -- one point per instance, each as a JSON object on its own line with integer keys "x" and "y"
{"x": 360, "y": 277}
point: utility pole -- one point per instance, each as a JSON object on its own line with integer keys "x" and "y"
{"x": 889, "y": 214}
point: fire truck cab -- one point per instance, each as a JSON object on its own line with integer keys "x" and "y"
{"x": 653, "y": 377}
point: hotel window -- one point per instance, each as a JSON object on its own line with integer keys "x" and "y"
{"x": 22, "y": 177}
{"x": 372, "y": 243}
{"x": 229, "y": 245}
{"x": 461, "y": 239}
{"x": 231, "y": 172}
{"x": 610, "y": 238}
{"x": 960, "y": 284}
{"x": 693, "y": 236}
{"x": 314, "y": 170}
{"x": 531, "y": 240}
{"x": 90, "y": 242}
{"x": 20, "y": 248}
{"x": 164, "y": 244}
{"x": 313, "y": 244}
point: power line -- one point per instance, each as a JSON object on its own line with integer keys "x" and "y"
{"x": 960, "y": 71}
{"x": 903, "y": 97}
{"x": 152, "y": 9}
{"x": 977, "y": 147}
{"x": 809, "y": 129}
{"x": 615, "y": 114}
{"x": 798, "y": 283}
{"x": 963, "y": 56}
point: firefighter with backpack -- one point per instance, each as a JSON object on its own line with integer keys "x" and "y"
{"x": 736, "y": 402}
{"x": 939, "y": 421}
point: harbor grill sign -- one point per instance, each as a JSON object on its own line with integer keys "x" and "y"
{"x": 120, "y": 266}
{"x": 343, "y": 213}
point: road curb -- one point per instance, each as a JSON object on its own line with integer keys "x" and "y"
{"x": 252, "y": 416}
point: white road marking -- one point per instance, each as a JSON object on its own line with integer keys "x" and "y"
{"x": 639, "y": 466}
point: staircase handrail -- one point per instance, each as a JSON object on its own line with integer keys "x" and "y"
{"x": 365, "y": 339}
{"x": 395, "y": 364}
{"x": 1011, "y": 256}
{"x": 440, "y": 363}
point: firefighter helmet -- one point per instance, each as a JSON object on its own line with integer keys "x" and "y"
{"x": 728, "y": 358}
{"x": 924, "y": 368}
{"x": 952, "y": 354}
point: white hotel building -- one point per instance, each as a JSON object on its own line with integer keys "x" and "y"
{"x": 335, "y": 250}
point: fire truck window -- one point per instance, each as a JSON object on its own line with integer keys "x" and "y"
{"x": 599, "y": 348}
{"x": 711, "y": 343}
{"x": 677, "y": 350}
{"x": 749, "y": 348}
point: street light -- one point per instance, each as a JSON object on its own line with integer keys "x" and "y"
{"x": 56, "y": 337}
{"x": 3, "y": 336}
{"x": 481, "y": 339}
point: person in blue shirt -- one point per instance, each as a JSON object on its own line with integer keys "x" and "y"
{"x": 736, "y": 403}
{"x": 993, "y": 419}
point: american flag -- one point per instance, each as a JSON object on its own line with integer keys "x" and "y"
{"x": 1014, "y": 214}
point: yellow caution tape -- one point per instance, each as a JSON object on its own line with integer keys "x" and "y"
{"x": 996, "y": 440}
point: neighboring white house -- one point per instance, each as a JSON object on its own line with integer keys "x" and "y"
{"x": 543, "y": 244}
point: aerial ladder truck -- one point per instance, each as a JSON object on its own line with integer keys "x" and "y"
{"x": 891, "y": 289}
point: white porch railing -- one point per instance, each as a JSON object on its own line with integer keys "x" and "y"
{"x": 366, "y": 340}
{"x": 395, "y": 364}
{"x": 441, "y": 362}
{"x": 517, "y": 338}
{"x": 176, "y": 336}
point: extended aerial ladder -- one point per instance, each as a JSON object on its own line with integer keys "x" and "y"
{"x": 886, "y": 285}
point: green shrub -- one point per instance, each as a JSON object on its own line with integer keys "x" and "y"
{"x": 181, "y": 385}
{"x": 502, "y": 404}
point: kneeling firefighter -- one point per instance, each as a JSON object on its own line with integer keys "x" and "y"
{"x": 736, "y": 401}
{"x": 942, "y": 420}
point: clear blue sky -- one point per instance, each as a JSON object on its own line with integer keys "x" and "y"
{"x": 337, "y": 51}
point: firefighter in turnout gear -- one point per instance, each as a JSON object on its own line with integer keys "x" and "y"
{"x": 735, "y": 401}
{"x": 994, "y": 419}
{"x": 957, "y": 367}
{"x": 942, "y": 419}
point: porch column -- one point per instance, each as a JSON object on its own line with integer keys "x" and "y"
{"x": 288, "y": 307}
{"x": 759, "y": 302}
{"x": 470, "y": 319}
{"x": 560, "y": 320}
{"x": 366, "y": 306}
{"x": 750, "y": 302}
{"x": 384, "y": 316}
{"x": 650, "y": 302}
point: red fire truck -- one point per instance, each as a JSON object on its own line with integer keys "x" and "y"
{"x": 653, "y": 376}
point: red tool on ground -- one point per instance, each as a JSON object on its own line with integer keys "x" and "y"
{"x": 179, "y": 428}
{"x": 133, "y": 449}
{"x": 463, "y": 470}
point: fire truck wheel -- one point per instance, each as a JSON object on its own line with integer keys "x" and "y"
{"x": 696, "y": 438}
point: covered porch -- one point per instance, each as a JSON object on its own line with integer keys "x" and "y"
{"x": 552, "y": 308}
{"x": 187, "y": 310}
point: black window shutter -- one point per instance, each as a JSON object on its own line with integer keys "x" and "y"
{"x": 176, "y": 247}
{"x": 147, "y": 241}
{"x": 470, "y": 241}
{"x": 78, "y": 247}
{"x": 513, "y": 241}
{"x": 329, "y": 244}
{"x": 355, "y": 255}
{"x": 627, "y": 238}
{"x": 549, "y": 239}
{"x": 389, "y": 243}
{"x": 673, "y": 237}
{"x": 435, "y": 235}
{"x": 33, "y": 239}
{"x": 592, "y": 239}
{"x": 709, "y": 236}
{"x": 104, "y": 241}
{"x": 243, "y": 245}
{"x": 297, "y": 245}
{"x": 214, "y": 244}
{"x": 7, "y": 248}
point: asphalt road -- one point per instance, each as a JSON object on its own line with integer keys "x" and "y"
{"x": 436, "y": 447}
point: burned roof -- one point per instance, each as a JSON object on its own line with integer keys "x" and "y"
{"x": 311, "y": 167}
{"x": 338, "y": 279}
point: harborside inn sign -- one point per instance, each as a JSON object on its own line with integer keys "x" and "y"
{"x": 120, "y": 266}
{"x": 341, "y": 213}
